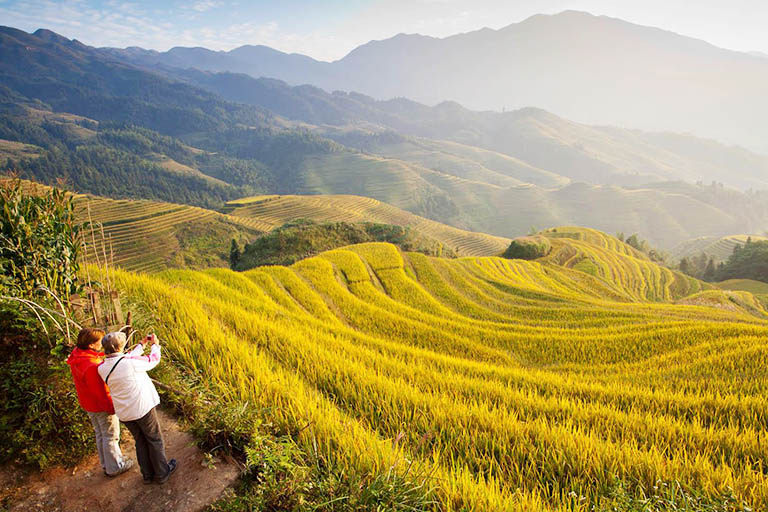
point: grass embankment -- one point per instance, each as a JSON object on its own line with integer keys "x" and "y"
{"x": 520, "y": 385}
{"x": 745, "y": 285}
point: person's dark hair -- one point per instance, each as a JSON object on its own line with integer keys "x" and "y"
{"x": 88, "y": 336}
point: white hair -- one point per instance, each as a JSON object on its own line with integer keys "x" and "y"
{"x": 114, "y": 342}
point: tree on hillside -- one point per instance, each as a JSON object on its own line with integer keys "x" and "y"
{"x": 685, "y": 266}
{"x": 696, "y": 266}
{"x": 709, "y": 271}
{"x": 234, "y": 254}
{"x": 636, "y": 242}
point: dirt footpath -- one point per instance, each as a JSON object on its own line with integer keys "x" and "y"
{"x": 192, "y": 487}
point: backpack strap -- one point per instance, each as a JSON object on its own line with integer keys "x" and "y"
{"x": 106, "y": 379}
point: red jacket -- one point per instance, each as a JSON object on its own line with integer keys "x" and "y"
{"x": 92, "y": 393}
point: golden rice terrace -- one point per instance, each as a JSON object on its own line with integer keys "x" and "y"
{"x": 528, "y": 386}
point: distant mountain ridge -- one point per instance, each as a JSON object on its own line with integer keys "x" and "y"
{"x": 113, "y": 128}
{"x": 592, "y": 69}
{"x": 549, "y": 143}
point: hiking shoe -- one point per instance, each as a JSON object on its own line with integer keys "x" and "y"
{"x": 146, "y": 480}
{"x": 171, "y": 468}
{"x": 127, "y": 464}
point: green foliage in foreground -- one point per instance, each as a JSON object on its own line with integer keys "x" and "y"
{"x": 301, "y": 239}
{"x": 38, "y": 241}
{"x": 41, "y": 423}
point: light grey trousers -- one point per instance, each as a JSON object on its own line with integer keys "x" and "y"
{"x": 107, "y": 428}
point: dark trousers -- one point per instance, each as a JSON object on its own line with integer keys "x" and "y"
{"x": 150, "y": 450}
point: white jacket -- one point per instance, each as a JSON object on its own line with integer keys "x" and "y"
{"x": 133, "y": 393}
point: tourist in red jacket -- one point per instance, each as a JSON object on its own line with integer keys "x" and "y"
{"x": 93, "y": 396}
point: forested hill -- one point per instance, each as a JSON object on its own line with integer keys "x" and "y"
{"x": 111, "y": 128}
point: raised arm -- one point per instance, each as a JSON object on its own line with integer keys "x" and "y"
{"x": 146, "y": 363}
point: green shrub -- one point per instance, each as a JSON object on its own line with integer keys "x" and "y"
{"x": 41, "y": 422}
{"x": 283, "y": 478}
{"x": 528, "y": 248}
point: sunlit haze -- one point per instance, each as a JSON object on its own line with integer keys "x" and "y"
{"x": 328, "y": 30}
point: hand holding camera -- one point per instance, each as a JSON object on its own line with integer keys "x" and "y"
{"x": 151, "y": 339}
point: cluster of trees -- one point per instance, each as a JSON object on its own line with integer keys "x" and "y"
{"x": 119, "y": 161}
{"x": 701, "y": 267}
{"x": 748, "y": 261}
{"x": 83, "y": 169}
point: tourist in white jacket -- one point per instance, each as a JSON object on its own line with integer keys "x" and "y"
{"x": 135, "y": 399}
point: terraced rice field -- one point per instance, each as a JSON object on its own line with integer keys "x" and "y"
{"x": 524, "y": 386}
{"x": 143, "y": 234}
{"x": 268, "y": 212}
{"x": 630, "y": 273}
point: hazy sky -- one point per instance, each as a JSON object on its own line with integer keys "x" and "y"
{"x": 329, "y": 29}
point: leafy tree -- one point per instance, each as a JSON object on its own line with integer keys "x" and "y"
{"x": 234, "y": 254}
